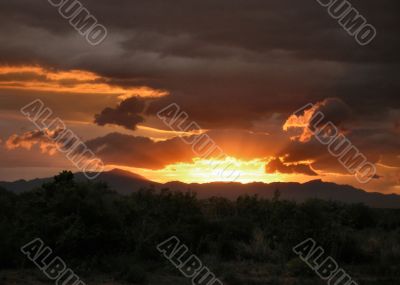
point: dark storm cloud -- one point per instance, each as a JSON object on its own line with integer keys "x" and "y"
{"x": 278, "y": 166}
{"x": 335, "y": 111}
{"x": 257, "y": 25}
{"x": 311, "y": 118}
{"x": 376, "y": 140}
{"x": 228, "y": 64}
{"x": 137, "y": 151}
{"x": 378, "y": 147}
{"x": 126, "y": 114}
{"x": 120, "y": 149}
{"x": 252, "y": 57}
{"x": 134, "y": 151}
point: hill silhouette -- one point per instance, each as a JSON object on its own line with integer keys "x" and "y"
{"x": 125, "y": 182}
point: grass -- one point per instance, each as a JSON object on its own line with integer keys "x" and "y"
{"x": 236, "y": 273}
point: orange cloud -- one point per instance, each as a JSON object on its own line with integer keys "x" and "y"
{"x": 305, "y": 122}
{"x": 71, "y": 81}
{"x": 302, "y": 122}
{"x": 29, "y": 139}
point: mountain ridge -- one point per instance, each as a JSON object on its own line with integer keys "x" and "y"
{"x": 125, "y": 182}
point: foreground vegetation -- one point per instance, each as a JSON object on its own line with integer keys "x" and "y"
{"x": 106, "y": 237}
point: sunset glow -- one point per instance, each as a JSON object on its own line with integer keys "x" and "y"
{"x": 169, "y": 100}
{"x": 202, "y": 171}
{"x": 203, "y": 142}
{"x": 37, "y": 78}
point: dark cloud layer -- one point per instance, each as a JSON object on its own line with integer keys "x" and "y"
{"x": 141, "y": 152}
{"x": 254, "y": 58}
{"x": 378, "y": 142}
{"x": 233, "y": 64}
{"x": 136, "y": 151}
{"x": 278, "y": 166}
{"x": 256, "y": 26}
{"x": 126, "y": 114}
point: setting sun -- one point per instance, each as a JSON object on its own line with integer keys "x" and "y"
{"x": 204, "y": 171}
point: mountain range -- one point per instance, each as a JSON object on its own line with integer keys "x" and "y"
{"x": 126, "y": 182}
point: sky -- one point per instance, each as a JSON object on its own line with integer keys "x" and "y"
{"x": 238, "y": 70}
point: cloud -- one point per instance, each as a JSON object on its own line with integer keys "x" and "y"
{"x": 48, "y": 141}
{"x": 231, "y": 65}
{"x": 29, "y": 139}
{"x": 378, "y": 146}
{"x": 377, "y": 141}
{"x": 315, "y": 116}
{"x": 142, "y": 152}
{"x": 135, "y": 151}
{"x": 313, "y": 34}
{"x": 36, "y": 78}
{"x": 126, "y": 114}
{"x": 276, "y": 165}
{"x": 243, "y": 57}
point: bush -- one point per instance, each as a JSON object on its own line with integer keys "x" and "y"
{"x": 134, "y": 274}
{"x": 297, "y": 267}
{"x": 98, "y": 230}
{"x": 232, "y": 278}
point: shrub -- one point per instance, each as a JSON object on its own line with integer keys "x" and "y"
{"x": 134, "y": 274}
{"x": 297, "y": 267}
